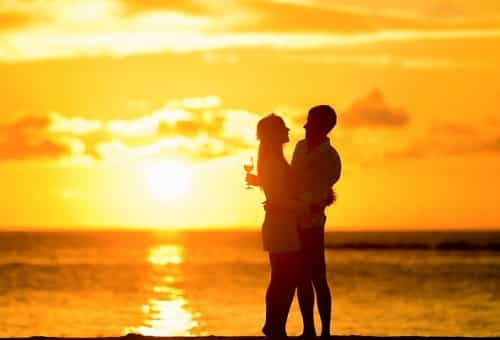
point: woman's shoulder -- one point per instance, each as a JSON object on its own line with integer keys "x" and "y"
{"x": 276, "y": 173}
{"x": 277, "y": 169}
{"x": 276, "y": 166}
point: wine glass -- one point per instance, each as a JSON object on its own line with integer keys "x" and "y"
{"x": 248, "y": 166}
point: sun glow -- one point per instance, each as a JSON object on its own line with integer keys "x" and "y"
{"x": 166, "y": 180}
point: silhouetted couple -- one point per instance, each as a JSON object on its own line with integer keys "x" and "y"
{"x": 293, "y": 229}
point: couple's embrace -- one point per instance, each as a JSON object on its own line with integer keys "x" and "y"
{"x": 293, "y": 229}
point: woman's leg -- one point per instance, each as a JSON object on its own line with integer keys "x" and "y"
{"x": 270, "y": 322}
{"x": 280, "y": 292}
{"x": 274, "y": 298}
{"x": 289, "y": 282}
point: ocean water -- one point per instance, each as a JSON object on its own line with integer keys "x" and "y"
{"x": 203, "y": 283}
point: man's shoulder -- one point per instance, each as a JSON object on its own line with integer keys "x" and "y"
{"x": 300, "y": 146}
{"x": 301, "y": 143}
{"x": 331, "y": 152}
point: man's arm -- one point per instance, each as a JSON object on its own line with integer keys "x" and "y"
{"x": 334, "y": 167}
{"x": 327, "y": 174}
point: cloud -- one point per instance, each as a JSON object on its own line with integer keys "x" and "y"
{"x": 324, "y": 17}
{"x": 199, "y": 128}
{"x": 448, "y": 139}
{"x": 191, "y": 7}
{"x": 453, "y": 129}
{"x": 29, "y": 138}
{"x": 425, "y": 148}
{"x": 192, "y": 128}
{"x": 373, "y": 111}
{"x": 390, "y": 60}
{"x": 195, "y": 128}
{"x": 270, "y": 16}
{"x": 495, "y": 145}
{"x": 308, "y": 16}
{"x": 73, "y": 125}
{"x": 69, "y": 29}
{"x": 446, "y": 9}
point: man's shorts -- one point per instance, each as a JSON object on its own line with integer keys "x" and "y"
{"x": 313, "y": 252}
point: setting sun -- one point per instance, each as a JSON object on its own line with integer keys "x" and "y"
{"x": 166, "y": 180}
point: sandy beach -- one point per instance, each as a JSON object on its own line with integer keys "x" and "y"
{"x": 213, "y": 337}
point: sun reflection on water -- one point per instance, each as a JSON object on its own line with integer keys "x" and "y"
{"x": 166, "y": 313}
{"x": 167, "y": 254}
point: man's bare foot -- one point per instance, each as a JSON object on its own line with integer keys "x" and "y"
{"x": 325, "y": 335}
{"x": 307, "y": 335}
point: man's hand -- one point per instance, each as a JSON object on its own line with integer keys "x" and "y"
{"x": 252, "y": 179}
{"x": 330, "y": 198}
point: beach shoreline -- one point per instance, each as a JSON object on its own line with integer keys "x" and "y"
{"x": 215, "y": 337}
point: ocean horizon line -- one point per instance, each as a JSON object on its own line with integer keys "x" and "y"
{"x": 250, "y": 229}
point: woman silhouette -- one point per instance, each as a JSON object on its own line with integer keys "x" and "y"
{"x": 279, "y": 230}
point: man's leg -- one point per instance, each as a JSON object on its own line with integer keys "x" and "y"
{"x": 320, "y": 282}
{"x": 324, "y": 304}
{"x": 305, "y": 290}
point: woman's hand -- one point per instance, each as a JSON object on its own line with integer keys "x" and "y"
{"x": 252, "y": 179}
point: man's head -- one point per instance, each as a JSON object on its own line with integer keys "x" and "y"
{"x": 320, "y": 121}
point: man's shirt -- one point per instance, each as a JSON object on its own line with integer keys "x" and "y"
{"x": 316, "y": 172}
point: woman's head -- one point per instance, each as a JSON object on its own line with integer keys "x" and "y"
{"x": 272, "y": 134}
{"x": 272, "y": 130}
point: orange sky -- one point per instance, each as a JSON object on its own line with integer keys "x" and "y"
{"x": 141, "y": 113}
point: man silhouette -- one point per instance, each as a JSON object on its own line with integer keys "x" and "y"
{"x": 317, "y": 166}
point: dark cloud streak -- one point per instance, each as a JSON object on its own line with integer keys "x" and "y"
{"x": 10, "y": 21}
{"x": 28, "y": 138}
{"x": 373, "y": 111}
{"x": 452, "y": 129}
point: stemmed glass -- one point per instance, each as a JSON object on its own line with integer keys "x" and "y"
{"x": 248, "y": 166}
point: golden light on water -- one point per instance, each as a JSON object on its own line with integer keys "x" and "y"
{"x": 164, "y": 255}
{"x": 166, "y": 313}
{"x": 168, "y": 318}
